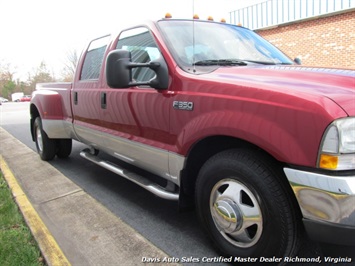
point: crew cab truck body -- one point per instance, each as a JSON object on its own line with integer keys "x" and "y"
{"x": 264, "y": 148}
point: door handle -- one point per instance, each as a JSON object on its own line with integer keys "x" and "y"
{"x": 103, "y": 100}
{"x": 75, "y": 98}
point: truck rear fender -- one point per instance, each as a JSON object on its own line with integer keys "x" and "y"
{"x": 48, "y": 105}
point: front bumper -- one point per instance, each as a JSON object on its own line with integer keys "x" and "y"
{"x": 327, "y": 203}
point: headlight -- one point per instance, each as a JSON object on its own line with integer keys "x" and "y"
{"x": 337, "y": 150}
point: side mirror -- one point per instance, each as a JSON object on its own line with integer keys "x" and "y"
{"x": 118, "y": 75}
{"x": 119, "y": 71}
{"x": 297, "y": 61}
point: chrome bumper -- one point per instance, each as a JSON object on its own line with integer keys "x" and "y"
{"x": 324, "y": 198}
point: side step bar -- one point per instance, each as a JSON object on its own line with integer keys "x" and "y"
{"x": 139, "y": 180}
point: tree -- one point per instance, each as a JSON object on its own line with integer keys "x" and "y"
{"x": 8, "y": 88}
{"x": 7, "y": 85}
{"x": 70, "y": 66}
{"x": 41, "y": 75}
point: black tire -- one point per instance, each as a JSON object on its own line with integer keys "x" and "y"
{"x": 247, "y": 209}
{"x": 46, "y": 147}
{"x": 64, "y": 147}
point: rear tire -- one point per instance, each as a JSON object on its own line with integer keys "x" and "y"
{"x": 246, "y": 207}
{"x": 64, "y": 147}
{"x": 46, "y": 147}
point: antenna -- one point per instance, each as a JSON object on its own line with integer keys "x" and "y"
{"x": 193, "y": 35}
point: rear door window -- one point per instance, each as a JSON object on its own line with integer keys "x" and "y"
{"x": 94, "y": 58}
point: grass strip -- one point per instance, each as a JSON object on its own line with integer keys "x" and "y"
{"x": 17, "y": 245}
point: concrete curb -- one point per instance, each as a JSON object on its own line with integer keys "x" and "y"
{"x": 75, "y": 228}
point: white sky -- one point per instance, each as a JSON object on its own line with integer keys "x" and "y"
{"x": 32, "y": 31}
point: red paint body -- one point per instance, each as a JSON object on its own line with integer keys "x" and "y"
{"x": 283, "y": 110}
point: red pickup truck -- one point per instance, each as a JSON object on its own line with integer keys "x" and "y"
{"x": 213, "y": 116}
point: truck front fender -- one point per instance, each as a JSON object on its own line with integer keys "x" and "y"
{"x": 289, "y": 141}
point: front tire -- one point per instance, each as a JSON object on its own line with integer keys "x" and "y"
{"x": 46, "y": 147}
{"x": 246, "y": 207}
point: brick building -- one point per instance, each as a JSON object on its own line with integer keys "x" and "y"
{"x": 326, "y": 41}
{"x": 319, "y": 32}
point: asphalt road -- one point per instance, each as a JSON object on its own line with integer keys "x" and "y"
{"x": 158, "y": 220}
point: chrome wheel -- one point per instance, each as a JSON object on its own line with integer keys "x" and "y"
{"x": 236, "y": 213}
{"x": 39, "y": 139}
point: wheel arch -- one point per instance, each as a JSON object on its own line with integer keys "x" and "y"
{"x": 203, "y": 150}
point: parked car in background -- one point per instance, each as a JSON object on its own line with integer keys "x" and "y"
{"x": 15, "y": 97}
{"x": 3, "y": 100}
{"x": 25, "y": 98}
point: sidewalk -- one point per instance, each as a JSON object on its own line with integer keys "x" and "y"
{"x": 70, "y": 226}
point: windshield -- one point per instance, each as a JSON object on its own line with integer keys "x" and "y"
{"x": 215, "y": 44}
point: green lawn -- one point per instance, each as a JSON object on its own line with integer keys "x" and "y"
{"x": 17, "y": 246}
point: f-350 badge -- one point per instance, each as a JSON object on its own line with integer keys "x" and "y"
{"x": 187, "y": 106}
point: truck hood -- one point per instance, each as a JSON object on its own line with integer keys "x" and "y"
{"x": 335, "y": 84}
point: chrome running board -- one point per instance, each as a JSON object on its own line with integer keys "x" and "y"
{"x": 139, "y": 180}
